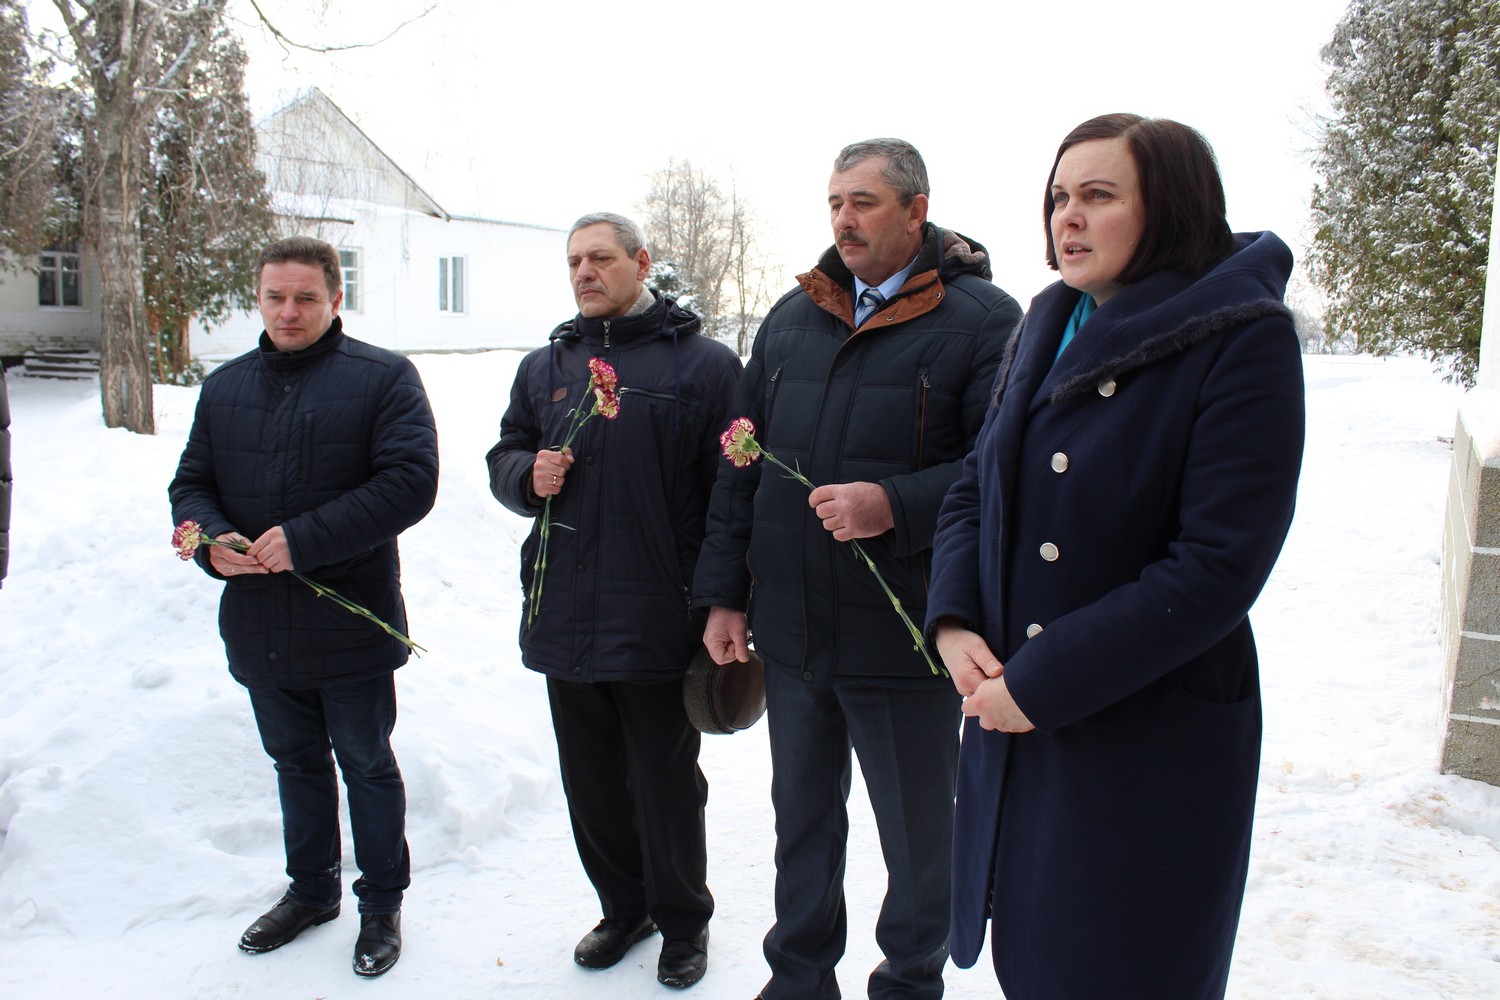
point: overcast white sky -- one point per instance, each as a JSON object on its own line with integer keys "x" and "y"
{"x": 538, "y": 112}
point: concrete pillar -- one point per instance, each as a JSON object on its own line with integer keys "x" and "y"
{"x": 1471, "y": 558}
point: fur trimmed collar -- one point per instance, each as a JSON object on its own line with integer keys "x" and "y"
{"x": 1190, "y": 334}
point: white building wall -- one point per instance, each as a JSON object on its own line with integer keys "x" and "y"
{"x": 330, "y": 181}
{"x": 516, "y": 285}
{"x": 26, "y": 326}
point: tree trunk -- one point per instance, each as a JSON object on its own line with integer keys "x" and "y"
{"x": 124, "y": 357}
{"x": 178, "y": 343}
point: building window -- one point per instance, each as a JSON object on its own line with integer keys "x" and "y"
{"x": 451, "y": 284}
{"x": 349, "y": 264}
{"x": 59, "y": 281}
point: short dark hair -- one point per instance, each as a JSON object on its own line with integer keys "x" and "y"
{"x": 1186, "y": 229}
{"x": 904, "y": 168}
{"x": 303, "y": 250}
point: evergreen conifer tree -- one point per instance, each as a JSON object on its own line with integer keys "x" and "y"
{"x": 1402, "y": 214}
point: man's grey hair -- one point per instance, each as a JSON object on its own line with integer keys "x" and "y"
{"x": 627, "y": 232}
{"x": 904, "y": 169}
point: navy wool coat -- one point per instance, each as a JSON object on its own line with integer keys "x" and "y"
{"x": 336, "y": 443}
{"x": 1117, "y": 518}
{"x": 628, "y": 524}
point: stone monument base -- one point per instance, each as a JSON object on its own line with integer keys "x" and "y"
{"x": 1471, "y": 594}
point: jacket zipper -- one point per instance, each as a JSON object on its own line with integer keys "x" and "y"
{"x": 606, "y": 335}
{"x": 771, "y": 398}
{"x": 648, "y": 393}
{"x": 925, "y": 384}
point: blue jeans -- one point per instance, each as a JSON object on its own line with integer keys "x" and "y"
{"x": 297, "y": 728}
{"x": 905, "y": 732}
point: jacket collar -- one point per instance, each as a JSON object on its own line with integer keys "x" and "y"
{"x": 291, "y": 361}
{"x": 664, "y": 318}
{"x": 1164, "y": 314}
{"x": 944, "y": 254}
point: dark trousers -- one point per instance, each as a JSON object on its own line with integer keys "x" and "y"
{"x": 636, "y": 799}
{"x": 906, "y": 736}
{"x": 297, "y": 728}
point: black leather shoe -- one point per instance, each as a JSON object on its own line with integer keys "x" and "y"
{"x": 281, "y": 923}
{"x": 683, "y": 961}
{"x": 608, "y": 942}
{"x": 378, "y": 945}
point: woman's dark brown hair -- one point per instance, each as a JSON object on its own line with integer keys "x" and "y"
{"x": 1180, "y": 188}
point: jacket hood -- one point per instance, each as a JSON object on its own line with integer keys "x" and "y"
{"x": 945, "y": 251}
{"x": 945, "y": 256}
{"x": 665, "y": 319}
{"x": 1258, "y": 269}
{"x": 1244, "y": 287}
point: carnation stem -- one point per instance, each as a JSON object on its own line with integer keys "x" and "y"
{"x": 323, "y": 590}
{"x": 539, "y": 567}
{"x": 920, "y": 642}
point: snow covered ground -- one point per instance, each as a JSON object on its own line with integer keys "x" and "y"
{"x": 139, "y": 816}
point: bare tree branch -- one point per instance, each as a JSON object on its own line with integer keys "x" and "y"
{"x": 288, "y": 42}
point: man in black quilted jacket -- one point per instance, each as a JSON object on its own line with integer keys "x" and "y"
{"x": 609, "y": 623}
{"x": 871, "y": 378}
{"x": 315, "y": 451}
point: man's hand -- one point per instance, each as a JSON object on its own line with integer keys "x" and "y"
{"x": 272, "y": 551}
{"x": 228, "y": 562}
{"x": 853, "y": 510}
{"x": 549, "y": 471}
{"x": 967, "y": 656}
{"x": 727, "y": 636}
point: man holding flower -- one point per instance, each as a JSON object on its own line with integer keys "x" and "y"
{"x": 871, "y": 380}
{"x": 619, "y": 504}
{"x": 311, "y": 454}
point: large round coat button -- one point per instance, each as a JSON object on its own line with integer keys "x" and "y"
{"x": 1033, "y": 630}
{"x": 1059, "y": 463}
{"x": 1049, "y": 552}
{"x": 1107, "y": 387}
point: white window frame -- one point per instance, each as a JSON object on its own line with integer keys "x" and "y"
{"x": 453, "y": 284}
{"x": 353, "y": 278}
{"x": 55, "y": 263}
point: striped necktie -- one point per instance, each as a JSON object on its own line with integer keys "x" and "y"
{"x": 869, "y": 301}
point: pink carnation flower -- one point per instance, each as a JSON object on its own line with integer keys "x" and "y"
{"x": 602, "y": 375}
{"x": 739, "y": 443}
{"x": 186, "y": 538}
{"x": 606, "y": 388}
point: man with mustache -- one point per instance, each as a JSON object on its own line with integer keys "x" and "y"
{"x": 610, "y": 627}
{"x": 872, "y": 378}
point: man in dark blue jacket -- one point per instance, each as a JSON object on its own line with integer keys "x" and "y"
{"x": 871, "y": 378}
{"x": 610, "y": 624}
{"x": 314, "y": 452}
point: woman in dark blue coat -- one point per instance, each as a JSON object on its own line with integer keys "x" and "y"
{"x": 1093, "y": 569}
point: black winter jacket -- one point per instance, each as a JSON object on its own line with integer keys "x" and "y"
{"x": 897, "y": 402}
{"x": 628, "y": 524}
{"x": 336, "y": 443}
